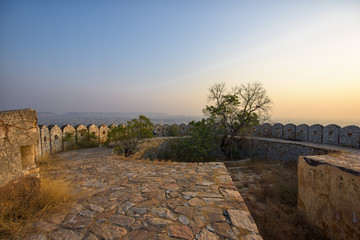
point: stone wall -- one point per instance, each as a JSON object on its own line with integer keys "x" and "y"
{"x": 331, "y": 134}
{"x": 329, "y": 193}
{"x": 19, "y": 137}
{"x": 278, "y": 149}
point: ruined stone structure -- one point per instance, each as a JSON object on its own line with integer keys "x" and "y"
{"x": 329, "y": 193}
{"x": 103, "y": 132}
{"x": 166, "y": 129}
{"x": 158, "y": 130}
{"x": 18, "y": 138}
{"x": 183, "y": 129}
{"x": 56, "y": 143}
{"x": 68, "y": 136}
{"x": 94, "y": 131}
{"x": 81, "y": 133}
{"x": 44, "y": 140}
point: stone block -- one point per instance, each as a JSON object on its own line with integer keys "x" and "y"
{"x": 277, "y": 130}
{"x": 158, "y": 130}
{"x": 103, "y": 132}
{"x": 45, "y": 140}
{"x": 183, "y": 129}
{"x": 331, "y": 134}
{"x": 350, "y": 136}
{"x": 289, "y": 131}
{"x": 328, "y": 193}
{"x": 315, "y": 133}
{"x": 56, "y": 143}
{"x": 68, "y": 137}
{"x": 19, "y": 136}
{"x": 302, "y": 132}
{"x": 266, "y": 130}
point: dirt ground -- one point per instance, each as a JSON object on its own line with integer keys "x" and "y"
{"x": 269, "y": 190}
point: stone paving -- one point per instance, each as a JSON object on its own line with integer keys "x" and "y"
{"x": 139, "y": 199}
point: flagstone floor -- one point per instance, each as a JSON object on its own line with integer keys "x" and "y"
{"x": 140, "y": 199}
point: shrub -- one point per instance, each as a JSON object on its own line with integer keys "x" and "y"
{"x": 126, "y": 137}
{"x": 202, "y": 145}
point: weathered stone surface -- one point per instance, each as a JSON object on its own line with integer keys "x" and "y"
{"x": 242, "y": 219}
{"x": 207, "y": 235}
{"x": 68, "y": 137}
{"x": 122, "y": 199}
{"x": 181, "y": 231}
{"x": 349, "y": 136}
{"x": 63, "y": 234}
{"x": 315, "y": 133}
{"x": 277, "y": 130}
{"x": 108, "y": 231}
{"x": 228, "y": 193}
{"x": 163, "y": 212}
{"x": 329, "y": 193}
{"x": 18, "y": 139}
{"x": 121, "y": 220}
{"x": 196, "y": 202}
{"x": 223, "y": 229}
{"x": 159, "y": 221}
{"x": 56, "y": 143}
{"x": 103, "y": 132}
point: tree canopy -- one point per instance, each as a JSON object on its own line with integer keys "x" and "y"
{"x": 235, "y": 111}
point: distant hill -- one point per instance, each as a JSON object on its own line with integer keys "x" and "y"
{"x": 98, "y": 118}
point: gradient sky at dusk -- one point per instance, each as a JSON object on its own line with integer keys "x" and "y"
{"x": 162, "y": 56}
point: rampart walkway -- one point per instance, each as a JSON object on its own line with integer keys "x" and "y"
{"x": 138, "y": 199}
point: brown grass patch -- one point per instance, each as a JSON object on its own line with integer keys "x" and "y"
{"x": 26, "y": 200}
{"x": 269, "y": 190}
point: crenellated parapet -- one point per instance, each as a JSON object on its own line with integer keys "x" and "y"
{"x": 332, "y": 134}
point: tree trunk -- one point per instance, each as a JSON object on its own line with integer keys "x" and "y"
{"x": 225, "y": 147}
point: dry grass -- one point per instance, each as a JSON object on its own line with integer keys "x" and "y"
{"x": 27, "y": 200}
{"x": 270, "y": 192}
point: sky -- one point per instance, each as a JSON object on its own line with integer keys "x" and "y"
{"x": 163, "y": 56}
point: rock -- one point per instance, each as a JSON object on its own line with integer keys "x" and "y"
{"x": 230, "y": 193}
{"x": 138, "y": 235}
{"x": 86, "y": 213}
{"x": 63, "y": 234}
{"x": 137, "y": 210}
{"x": 190, "y": 194}
{"x": 76, "y": 222}
{"x": 188, "y": 211}
{"x": 214, "y": 214}
{"x": 108, "y": 231}
{"x": 126, "y": 206}
{"x": 183, "y": 219}
{"x": 196, "y": 202}
{"x": 181, "y": 231}
{"x": 121, "y": 220}
{"x": 207, "y": 235}
{"x": 159, "y": 221}
{"x": 242, "y": 219}
{"x": 163, "y": 212}
{"x": 223, "y": 229}
{"x": 95, "y": 208}
{"x": 91, "y": 236}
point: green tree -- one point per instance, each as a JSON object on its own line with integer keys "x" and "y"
{"x": 200, "y": 146}
{"x": 235, "y": 111}
{"x": 174, "y": 130}
{"x": 127, "y": 137}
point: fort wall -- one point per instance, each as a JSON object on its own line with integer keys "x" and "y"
{"x": 19, "y": 137}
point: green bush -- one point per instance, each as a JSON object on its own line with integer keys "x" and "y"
{"x": 200, "y": 146}
{"x": 126, "y": 137}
